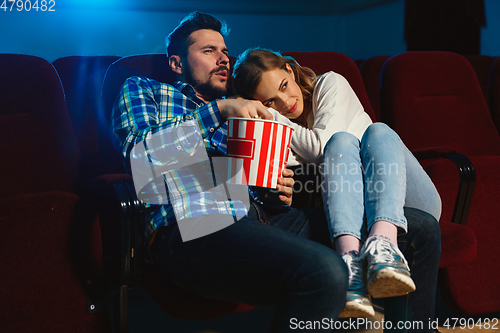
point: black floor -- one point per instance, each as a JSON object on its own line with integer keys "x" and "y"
{"x": 146, "y": 316}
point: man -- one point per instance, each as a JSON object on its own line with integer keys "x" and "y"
{"x": 274, "y": 255}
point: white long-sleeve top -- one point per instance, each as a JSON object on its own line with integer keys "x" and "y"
{"x": 335, "y": 108}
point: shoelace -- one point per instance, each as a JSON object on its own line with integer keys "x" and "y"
{"x": 355, "y": 271}
{"x": 382, "y": 250}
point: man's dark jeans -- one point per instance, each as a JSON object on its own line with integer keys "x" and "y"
{"x": 284, "y": 259}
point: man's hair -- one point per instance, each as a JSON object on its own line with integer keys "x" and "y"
{"x": 178, "y": 41}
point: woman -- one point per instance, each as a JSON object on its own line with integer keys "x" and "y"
{"x": 368, "y": 175}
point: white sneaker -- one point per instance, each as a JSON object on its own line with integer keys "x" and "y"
{"x": 358, "y": 303}
{"x": 388, "y": 272}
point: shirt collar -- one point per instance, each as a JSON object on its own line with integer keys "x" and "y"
{"x": 188, "y": 90}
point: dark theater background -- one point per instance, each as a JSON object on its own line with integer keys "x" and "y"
{"x": 63, "y": 271}
{"x": 357, "y": 28}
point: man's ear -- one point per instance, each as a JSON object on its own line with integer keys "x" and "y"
{"x": 175, "y": 64}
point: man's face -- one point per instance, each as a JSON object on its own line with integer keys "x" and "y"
{"x": 206, "y": 66}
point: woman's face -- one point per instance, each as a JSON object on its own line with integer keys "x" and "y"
{"x": 278, "y": 90}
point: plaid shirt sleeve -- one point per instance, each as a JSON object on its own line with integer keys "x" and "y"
{"x": 145, "y": 107}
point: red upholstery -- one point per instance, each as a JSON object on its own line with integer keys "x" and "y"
{"x": 472, "y": 288}
{"x": 49, "y": 243}
{"x": 434, "y": 99}
{"x": 82, "y": 77}
{"x": 458, "y": 244}
{"x": 359, "y": 62}
{"x": 370, "y": 71}
{"x": 154, "y": 66}
{"x": 494, "y": 92}
{"x": 482, "y": 66}
{"x": 421, "y": 91}
{"x": 42, "y": 288}
{"x": 322, "y": 62}
{"x": 35, "y": 129}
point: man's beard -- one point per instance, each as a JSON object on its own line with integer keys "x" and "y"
{"x": 206, "y": 89}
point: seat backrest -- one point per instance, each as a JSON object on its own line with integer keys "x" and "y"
{"x": 82, "y": 77}
{"x": 359, "y": 62}
{"x": 48, "y": 240}
{"x": 370, "y": 70}
{"x": 433, "y": 98}
{"x": 494, "y": 92}
{"x": 482, "y": 66}
{"x": 38, "y": 146}
{"x": 322, "y": 62}
{"x": 154, "y": 66}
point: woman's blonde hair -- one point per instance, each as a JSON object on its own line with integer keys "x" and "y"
{"x": 252, "y": 63}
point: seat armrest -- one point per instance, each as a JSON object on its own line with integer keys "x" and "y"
{"x": 433, "y": 152}
{"x": 121, "y": 217}
{"x": 463, "y": 163}
{"x": 466, "y": 172}
{"x": 466, "y": 187}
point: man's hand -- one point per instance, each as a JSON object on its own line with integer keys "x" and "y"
{"x": 242, "y": 108}
{"x": 285, "y": 185}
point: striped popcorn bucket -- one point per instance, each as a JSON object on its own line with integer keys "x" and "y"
{"x": 257, "y": 151}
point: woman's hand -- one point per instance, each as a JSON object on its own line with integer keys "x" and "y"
{"x": 285, "y": 186}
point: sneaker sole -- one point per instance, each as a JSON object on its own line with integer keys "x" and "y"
{"x": 355, "y": 310}
{"x": 388, "y": 283}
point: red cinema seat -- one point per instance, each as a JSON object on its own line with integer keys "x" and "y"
{"x": 434, "y": 100}
{"x": 49, "y": 243}
{"x": 482, "y": 65}
{"x": 82, "y": 78}
{"x": 494, "y": 92}
{"x": 322, "y": 62}
{"x": 370, "y": 70}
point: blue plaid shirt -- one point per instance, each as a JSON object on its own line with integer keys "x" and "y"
{"x": 145, "y": 107}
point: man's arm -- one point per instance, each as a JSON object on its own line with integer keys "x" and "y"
{"x": 242, "y": 108}
{"x": 145, "y": 107}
